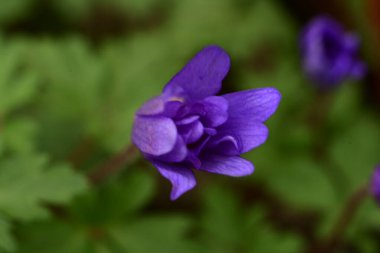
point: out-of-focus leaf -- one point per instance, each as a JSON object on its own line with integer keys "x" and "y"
{"x": 18, "y": 136}
{"x": 134, "y": 192}
{"x": 17, "y": 85}
{"x": 43, "y": 237}
{"x": 158, "y": 234}
{"x": 261, "y": 237}
{"x": 356, "y": 150}
{"x": 116, "y": 200}
{"x": 27, "y": 182}
{"x": 222, "y": 224}
{"x": 345, "y": 107}
{"x": 7, "y": 243}
{"x": 11, "y": 10}
{"x": 302, "y": 182}
{"x": 227, "y": 227}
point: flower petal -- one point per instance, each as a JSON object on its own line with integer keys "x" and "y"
{"x": 178, "y": 153}
{"x": 351, "y": 42}
{"x": 358, "y": 71}
{"x": 154, "y": 135}
{"x": 375, "y": 184}
{"x": 233, "y": 166}
{"x": 249, "y": 134}
{"x": 153, "y": 106}
{"x": 202, "y": 76}
{"x": 254, "y": 104}
{"x": 214, "y": 110}
{"x": 191, "y": 132}
{"x": 224, "y": 145}
{"x": 182, "y": 178}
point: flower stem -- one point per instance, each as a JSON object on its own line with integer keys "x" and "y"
{"x": 344, "y": 219}
{"x": 113, "y": 165}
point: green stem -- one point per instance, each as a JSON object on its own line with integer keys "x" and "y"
{"x": 344, "y": 219}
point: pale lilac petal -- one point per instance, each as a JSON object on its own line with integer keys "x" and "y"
{"x": 254, "y": 104}
{"x": 154, "y": 135}
{"x": 182, "y": 178}
{"x": 249, "y": 134}
{"x": 202, "y": 76}
{"x": 178, "y": 153}
{"x": 233, "y": 166}
{"x": 153, "y": 106}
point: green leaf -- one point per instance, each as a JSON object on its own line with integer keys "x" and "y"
{"x": 134, "y": 192}
{"x": 27, "y": 182}
{"x": 221, "y": 220}
{"x": 45, "y": 236}
{"x": 18, "y": 85}
{"x": 262, "y": 237}
{"x": 345, "y": 108}
{"x": 18, "y": 135}
{"x": 11, "y": 10}
{"x": 7, "y": 243}
{"x": 159, "y": 234}
{"x": 229, "y": 227}
{"x": 306, "y": 182}
{"x": 356, "y": 150}
{"x": 115, "y": 200}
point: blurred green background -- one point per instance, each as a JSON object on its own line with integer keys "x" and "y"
{"x": 72, "y": 73}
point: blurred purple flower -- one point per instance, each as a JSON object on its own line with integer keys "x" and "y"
{"x": 188, "y": 127}
{"x": 375, "y": 184}
{"x": 329, "y": 54}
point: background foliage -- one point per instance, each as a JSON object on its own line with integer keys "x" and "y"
{"x": 73, "y": 72}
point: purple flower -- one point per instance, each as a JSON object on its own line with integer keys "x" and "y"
{"x": 188, "y": 127}
{"x": 329, "y": 54}
{"x": 375, "y": 184}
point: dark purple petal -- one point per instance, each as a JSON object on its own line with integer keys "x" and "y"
{"x": 249, "y": 134}
{"x": 202, "y": 76}
{"x": 340, "y": 69}
{"x": 154, "y": 135}
{"x": 213, "y": 110}
{"x": 375, "y": 184}
{"x": 210, "y": 131}
{"x": 233, "y": 166}
{"x": 224, "y": 145}
{"x": 253, "y": 105}
{"x": 182, "y": 178}
{"x": 172, "y": 108}
{"x": 358, "y": 71}
{"x": 191, "y": 132}
{"x": 329, "y": 54}
{"x": 194, "y": 160}
{"x": 351, "y": 43}
{"x": 199, "y": 146}
{"x": 178, "y": 153}
{"x": 187, "y": 120}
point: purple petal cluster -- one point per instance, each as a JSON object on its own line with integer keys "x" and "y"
{"x": 375, "y": 184}
{"x": 188, "y": 127}
{"x": 329, "y": 54}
